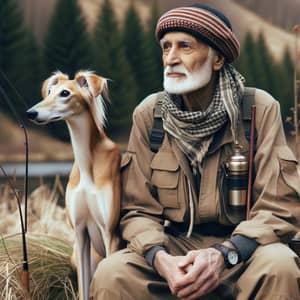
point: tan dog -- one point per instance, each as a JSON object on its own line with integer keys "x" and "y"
{"x": 93, "y": 190}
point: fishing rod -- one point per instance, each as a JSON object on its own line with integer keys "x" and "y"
{"x": 251, "y": 158}
{"x": 25, "y": 277}
{"x": 22, "y": 125}
{"x": 25, "y": 274}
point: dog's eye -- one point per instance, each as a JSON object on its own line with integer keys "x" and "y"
{"x": 64, "y": 93}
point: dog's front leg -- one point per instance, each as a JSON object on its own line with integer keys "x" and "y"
{"x": 83, "y": 262}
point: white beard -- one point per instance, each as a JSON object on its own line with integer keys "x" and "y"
{"x": 192, "y": 81}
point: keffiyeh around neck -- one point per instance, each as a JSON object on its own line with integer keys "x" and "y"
{"x": 193, "y": 131}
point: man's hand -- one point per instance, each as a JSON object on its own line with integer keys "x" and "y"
{"x": 193, "y": 275}
{"x": 202, "y": 273}
{"x": 167, "y": 266}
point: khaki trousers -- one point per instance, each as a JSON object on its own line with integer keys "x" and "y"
{"x": 272, "y": 273}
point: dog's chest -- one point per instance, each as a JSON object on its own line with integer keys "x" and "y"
{"x": 88, "y": 203}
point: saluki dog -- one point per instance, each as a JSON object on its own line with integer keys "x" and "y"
{"x": 93, "y": 189}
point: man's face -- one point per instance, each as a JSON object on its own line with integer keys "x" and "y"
{"x": 188, "y": 63}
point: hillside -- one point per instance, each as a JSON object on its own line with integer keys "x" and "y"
{"x": 284, "y": 14}
{"x": 37, "y": 14}
{"x": 41, "y": 146}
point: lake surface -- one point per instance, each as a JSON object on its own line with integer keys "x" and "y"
{"x": 38, "y": 173}
{"x": 38, "y": 169}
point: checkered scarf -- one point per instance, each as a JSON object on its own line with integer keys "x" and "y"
{"x": 193, "y": 130}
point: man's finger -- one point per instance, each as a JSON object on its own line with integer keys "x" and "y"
{"x": 186, "y": 260}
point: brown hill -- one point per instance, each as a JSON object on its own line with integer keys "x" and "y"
{"x": 41, "y": 146}
{"x": 37, "y": 14}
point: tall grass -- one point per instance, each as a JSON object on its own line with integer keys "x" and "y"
{"x": 49, "y": 246}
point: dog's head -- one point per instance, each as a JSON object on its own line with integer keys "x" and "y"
{"x": 64, "y": 98}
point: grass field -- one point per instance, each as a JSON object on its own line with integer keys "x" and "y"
{"x": 49, "y": 247}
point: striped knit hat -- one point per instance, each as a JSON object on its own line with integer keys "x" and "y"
{"x": 206, "y": 24}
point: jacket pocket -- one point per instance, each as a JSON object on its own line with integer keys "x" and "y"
{"x": 288, "y": 169}
{"x": 165, "y": 177}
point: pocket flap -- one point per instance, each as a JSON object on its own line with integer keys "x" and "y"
{"x": 288, "y": 167}
{"x": 164, "y": 161}
{"x": 126, "y": 158}
{"x": 286, "y": 154}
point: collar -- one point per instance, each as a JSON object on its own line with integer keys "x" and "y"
{"x": 221, "y": 137}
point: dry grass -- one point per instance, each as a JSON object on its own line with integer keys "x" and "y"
{"x": 49, "y": 243}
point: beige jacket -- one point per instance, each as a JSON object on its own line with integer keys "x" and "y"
{"x": 155, "y": 188}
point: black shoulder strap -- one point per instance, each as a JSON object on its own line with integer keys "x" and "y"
{"x": 158, "y": 133}
{"x": 247, "y": 102}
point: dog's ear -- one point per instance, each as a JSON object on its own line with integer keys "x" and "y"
{"x": 51, "y": 81}
{"x": 94, "y": 83}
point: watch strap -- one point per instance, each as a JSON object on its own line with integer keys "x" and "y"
{"x": 225, "y": 250}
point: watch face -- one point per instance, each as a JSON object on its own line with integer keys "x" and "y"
{"x": 233, "y": 257}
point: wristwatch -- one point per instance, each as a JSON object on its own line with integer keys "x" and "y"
{"x": 231, "y": 256}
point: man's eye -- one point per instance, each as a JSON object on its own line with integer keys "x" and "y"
{"x": 166, "y": 46}
{"x": 186, "y": 46}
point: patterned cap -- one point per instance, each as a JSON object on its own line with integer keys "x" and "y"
{"x": 206, "y": 24}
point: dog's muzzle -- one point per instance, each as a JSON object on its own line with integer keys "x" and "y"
{"x": 31, "y": 114}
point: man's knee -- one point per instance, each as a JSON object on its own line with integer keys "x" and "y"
{"x": 110, "y": 271}
{"x": 276, "y": 260}
{"x": 123, "y": 275}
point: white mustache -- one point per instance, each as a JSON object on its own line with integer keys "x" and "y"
{"x": 175, "y": 69}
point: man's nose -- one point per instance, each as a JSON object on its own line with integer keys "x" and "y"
{"x": 173, "y": 57}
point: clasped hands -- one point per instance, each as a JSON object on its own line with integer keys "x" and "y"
{"x": 193, "y": 275}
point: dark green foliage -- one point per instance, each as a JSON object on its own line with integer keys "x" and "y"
{"x": 110, "y": 62}
{"x": 247, "y": 61}
{"x": 286, "y": 85}
{"x": 35, "y": 74}
{"x": 261, "y": 71}
{"x": 67, "y": 48}
{"x": 137, "y": 52}
{"x": 18, "y": 59}
{"x": 266, "y": 78}
{"x": 155, "y": 75}
{"x": 67, "y": 45}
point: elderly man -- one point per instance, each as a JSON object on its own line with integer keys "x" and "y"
{"x": 183, "y": 238}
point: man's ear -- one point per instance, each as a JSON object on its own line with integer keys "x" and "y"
{"x": 218, "y": 61}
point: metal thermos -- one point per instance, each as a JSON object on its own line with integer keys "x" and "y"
{"x": 237, "y": 178}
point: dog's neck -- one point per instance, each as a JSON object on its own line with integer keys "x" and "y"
{"x": 84, "y": 135}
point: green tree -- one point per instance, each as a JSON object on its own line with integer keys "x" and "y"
{"x": 35, "y": 73}
{"x": 17, "y": 58}
{"x": 286, "y": 79}
{"x": 67, "y": 45}
{"x": 247, "y": 61}
{"x": 155, "y": 76}
{"x": 66, "y": 48}
{"x": 266, "y": 74}
{"x": 110, "y": 62}
{"x": 137, "y": 53}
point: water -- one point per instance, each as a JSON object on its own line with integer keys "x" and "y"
{"x": 38, "y": 173}
{"x": 38, "y": 169}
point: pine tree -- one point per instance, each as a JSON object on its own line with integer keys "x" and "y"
{"x": 266, "y": 74}
{"x": 35, "y": 73}
{"x": 67, "y": 48}
{"x": 67, "y": 45}
{"x": 15, "y": 62}
{"x": 137, "y": 54}
{"x": 247, "y": 61}
{"x": 286, "y": 78}
{"x": 110, "y": 62}
{"x": 155, "y": 76}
